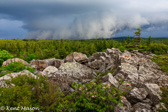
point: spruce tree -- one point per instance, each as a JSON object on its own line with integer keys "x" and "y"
{"x": 137, "y": 39}
{"x": 149, "y": 41}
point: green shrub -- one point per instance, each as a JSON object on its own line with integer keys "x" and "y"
{"x": 122, "y": 48}
{"x": 158, "y": 48}
{"x": 15, "y": 67}
{"x": 164, "y": 99}
{"x": 94, "y": 97}
{"x": 30, "y": 57}
{"x": 162, "y": 60}
{"x": 4, "y": 55}
{"x": 31, "y": 92}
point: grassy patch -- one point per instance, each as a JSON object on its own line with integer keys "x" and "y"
{"x": 162, "y": 60}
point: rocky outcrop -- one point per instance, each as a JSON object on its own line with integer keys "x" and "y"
{"x": 13, "y": 75}
{"x": 142, "y": 78}
{"x": 7, "y": 62}
{"x": 135, "y": 74}
{"x": 42, "y": 64}
{"x": 77, "y": 57}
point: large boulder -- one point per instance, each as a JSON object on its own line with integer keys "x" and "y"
{"x": 154, "y": 92}
{"x": 129, "y": 72}
{"x": 137, "y": 95}
{"x": 77, "y": 57}
{"x": 48, "y": 71}
{"x": 69, "y": 72}
{"x": 7, "y": 62}
{"x": 146, "y": 74}
{"x": 42, "y": 64}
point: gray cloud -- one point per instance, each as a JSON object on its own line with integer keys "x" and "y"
{"x": 67, "y": 19}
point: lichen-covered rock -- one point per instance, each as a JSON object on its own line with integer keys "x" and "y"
{"x": 49, "y": 71}
{"x": 126, "y": 106}
{"x": 77, "y": 57}
{"x": 129, "y": 71}
{"x": 142, "y": 107}
{"x": 77, "y": 71}
{"x": 102, "y": 62}
{"x": 7, "y": 62}
{"x": 113, "y": 51}
{"x": 69, "y": 72}
{"x": 146, "y": 74}
{"x": 110, "y": 79}
{"x": 137, "y": 95}
{"x": 42, "y": 64}
{"x": 97, "y": 64}
{"x": 154, "y": 92}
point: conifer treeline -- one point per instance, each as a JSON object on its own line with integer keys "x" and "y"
{"x": 29, "y": 49}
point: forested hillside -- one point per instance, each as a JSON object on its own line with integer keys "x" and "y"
{"x": 29, "y": 49}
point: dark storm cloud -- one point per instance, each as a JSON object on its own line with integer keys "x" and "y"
{"x": 65, "y": 19}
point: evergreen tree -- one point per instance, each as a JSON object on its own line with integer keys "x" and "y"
{"x": 128, "y": 40}
{"x": 137, "y": 39}
{"x": 149, "y": 41}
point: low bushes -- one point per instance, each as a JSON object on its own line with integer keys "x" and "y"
{"x": 15, "y": 67}
{"x": 94, "y": 97}
{"x": 31, "y": 92}
{"x": 4, "y": 55}
{"x": 164, "y": 99}
{"x": 44, "y": 94}
{"x": 162, "y": 60}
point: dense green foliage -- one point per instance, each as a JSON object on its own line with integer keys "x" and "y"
{"x": 94, "y": 97}
{"x": 44, "y": 94}
{"x": 164, "y": 99}
{"x": 162, "y": 60}
{"x": 14, "y": 67}
{"x": 4, "y": 55}
{"x": 29, "y": 49}
{"x": 31, "y": 92}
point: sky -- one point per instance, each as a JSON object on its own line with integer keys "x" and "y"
{"x": 82, "y": 19}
